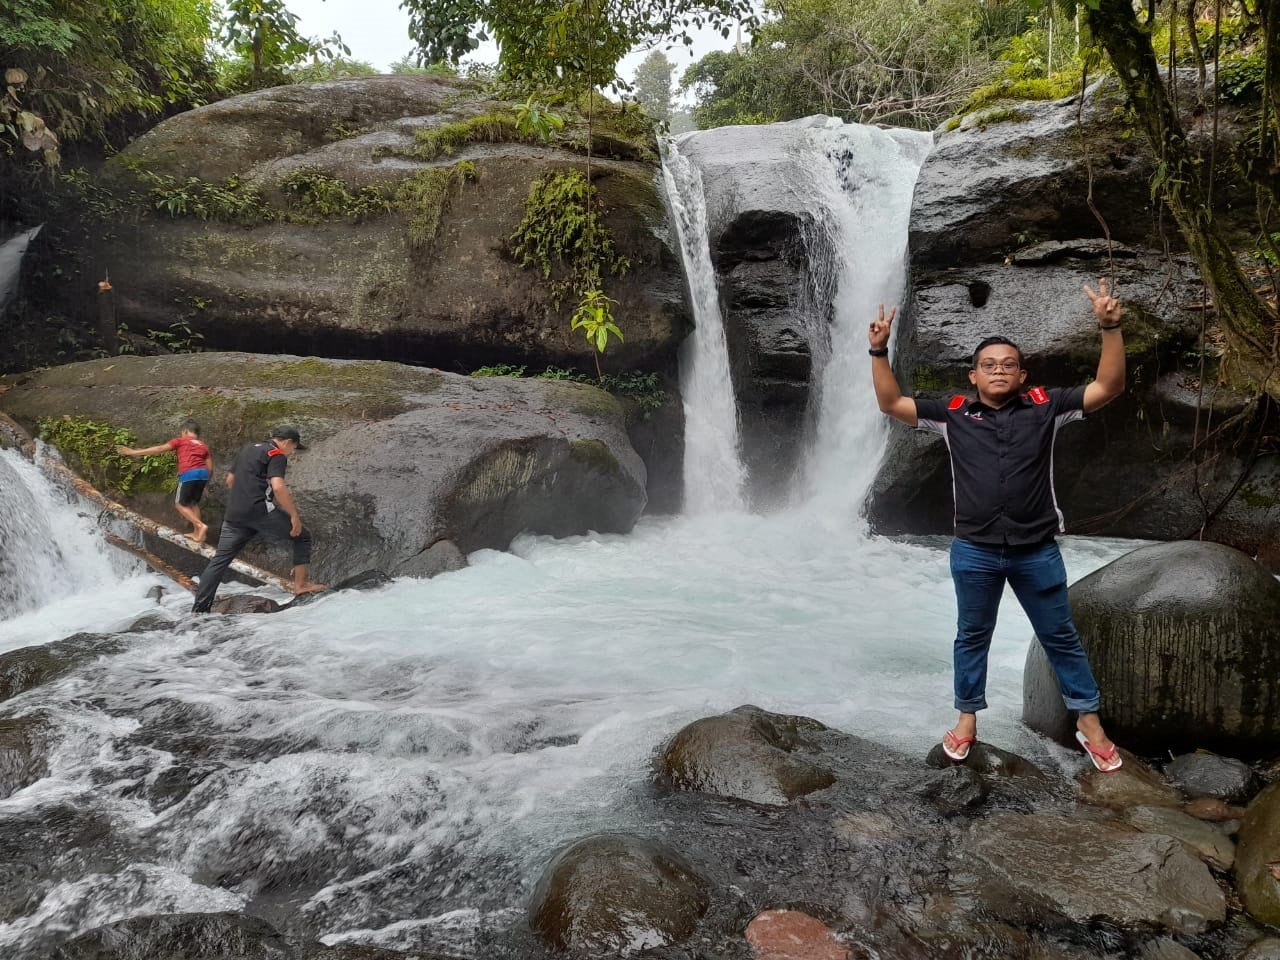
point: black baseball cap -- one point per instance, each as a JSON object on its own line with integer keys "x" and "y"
{"x": 288, "y": 433}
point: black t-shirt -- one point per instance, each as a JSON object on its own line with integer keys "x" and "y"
{"x": 250, "y": 497}
{"x": 1002, "y": 462}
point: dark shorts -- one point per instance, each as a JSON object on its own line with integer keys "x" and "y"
{"x": 190, "y": 492}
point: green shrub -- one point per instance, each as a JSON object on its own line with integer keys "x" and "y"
{"x": 90, "y": 446}
{"x": 424, "y": 197}
{"x": 499, "y": 370}
{"x": 320, "y": 195}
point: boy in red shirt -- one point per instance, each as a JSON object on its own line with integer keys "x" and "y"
{"x": 194, "y": 469}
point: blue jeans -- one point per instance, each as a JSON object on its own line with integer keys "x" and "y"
{"x": 1039, "y": 580}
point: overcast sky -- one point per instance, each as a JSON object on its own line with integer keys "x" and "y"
{"x": 378, "y": 31}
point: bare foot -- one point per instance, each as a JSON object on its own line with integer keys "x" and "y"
{"x": 200, "y": 531}
{"x": 310, "y": 588}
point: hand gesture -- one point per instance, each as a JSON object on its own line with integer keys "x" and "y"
{"x": 1105, "y": 308}
{"x": 878, "y": 336}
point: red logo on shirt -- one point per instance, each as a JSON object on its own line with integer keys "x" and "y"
{"x": 956, "y": 402}
{"x": 1038, "y": 395}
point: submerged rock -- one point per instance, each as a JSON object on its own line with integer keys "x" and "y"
{"x": 617, "y": 894}
{"x": 748, "y": 754}
{"x": 245, "y": 603}
{"x": 1093, "y": 871}
{"x": 29, "y": 667}
{"x": 1258, "y": 857}
{"x": 793, "y": 935}
{"x": 23, "y": 751}
{"x": 1181, "y": 637}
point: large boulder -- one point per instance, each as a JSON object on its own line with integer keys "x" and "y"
{"x": 1004, "y": 231}
{"x": 1183, "y": 639}
{"x": 616, "y": 894}
{"x": 1258, "y": 857}
{"x": 335, "y": 279}
{"x": 399, "y": 458}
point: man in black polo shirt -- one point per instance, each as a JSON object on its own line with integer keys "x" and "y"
{"x": 260, "y": 502}
{"x": 1007, "y": 514}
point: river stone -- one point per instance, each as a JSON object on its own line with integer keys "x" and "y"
{"x": 1134, "y": 784}
{"x": 1091, "y": 871}
{"x": 23, "y": 752}
{"x": 245, "y": 603}
{"x": 1209, "y": 843}
{"x": 1208, "y": 775}
{"x": 1215, "y": 811}
{"x": 618, "y": 894}
{"x": 793, "y": 935}
{"x": 1258, "y": 857}
{"x": 1183, "y": 641}
{"x": 441, "y": 557}
{"x": 477, "y": 460}
{"x": 1166, "y": 949}
{"x": 957, "y": 790}
{"x": 29, "y": 667}
{"x": 749, "y": 754}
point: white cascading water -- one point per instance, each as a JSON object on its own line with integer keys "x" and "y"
{"x": 714, "y": 475}
{"x": 11, "y": 253}
{"x": 395, "y": 768}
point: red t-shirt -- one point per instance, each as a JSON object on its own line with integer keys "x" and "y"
{"x": 192, "y": 453}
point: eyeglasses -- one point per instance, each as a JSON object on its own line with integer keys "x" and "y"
{"x": 1004, "y": 366}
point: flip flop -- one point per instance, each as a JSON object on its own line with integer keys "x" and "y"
{"x": 959, "y": 742}
{"x": 1099, "y": 757}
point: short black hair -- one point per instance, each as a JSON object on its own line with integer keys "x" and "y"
{"x": 994, "y": 341}
{"x": 192, "y": 426}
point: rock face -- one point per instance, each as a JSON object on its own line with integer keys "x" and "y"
{"x": 1258, "y": 857}
{"x": 366, "y": 285}
{"x": 749, "y": 754}
{"x": 1208, "y": 775}
{"x": 1002, "y": 238}
{"x": 399, "y": 458}
{"x": 1182, "y": 640}
{"x": 1101, "y": 872}
{"x": 617, "y": 894}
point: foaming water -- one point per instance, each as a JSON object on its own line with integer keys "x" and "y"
{"x": 54, "y": 565}
{"x": 407, "y": 759}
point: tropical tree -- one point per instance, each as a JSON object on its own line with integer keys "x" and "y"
{"x": 264, "y": 34}
{"x": 652, "y": 85}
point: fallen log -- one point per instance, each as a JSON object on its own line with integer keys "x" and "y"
{"x": 147, "y": 525}
{"x": 12, "y": 431}
{"x": 154, "y": 562}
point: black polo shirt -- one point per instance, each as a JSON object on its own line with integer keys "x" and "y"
{"x": 1002, "y": 462}
{"x": 251, "y": 498}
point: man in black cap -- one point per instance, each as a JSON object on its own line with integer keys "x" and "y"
{"x": 260, "y": 502}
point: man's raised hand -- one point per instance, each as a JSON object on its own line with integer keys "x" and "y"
{"x": 1106, "y": 308}
{"x": 878, "y": 335}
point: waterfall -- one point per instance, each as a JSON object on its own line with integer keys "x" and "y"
{"x": 11, "y": 253}
{"x": 863, "y": 179}
{"x": 848, "y": 187}
{"x": 47, "y": 550}
{"x": 713, "y": 470}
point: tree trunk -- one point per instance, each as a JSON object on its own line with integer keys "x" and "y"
{"x": 1248, "y": 322}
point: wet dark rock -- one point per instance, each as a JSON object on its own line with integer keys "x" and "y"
{"x": 793, "y": 935}
{"x": 365, "y": 580}
{"x": 1181, "y": 637}
{"x": 1133, "y": 785}
{"x": 29, "y": 667}
{"x": 1208, "y": 842}
{"x": 1166, "y": 949}
{"x": 748, "y": 754}
{"x": 1090, "y": 872}
{"x": 151, "y": 621}
{"x": 172, "y": 784}
{"x": 1258, "y": 857}
{"x": 617, "y": 894}
{"x": 24, "y": 747}
{"x": 209, "y": 936}
{"x": 443, "y": 556}
{"x": 958, "y": 790}
{"x": 479, "y": 460}
{"x": 38, "y": 844}
{"x": 1208, "y": 775}
{"x": 245, "y": 603}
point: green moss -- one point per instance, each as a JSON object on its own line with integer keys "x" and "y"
{"x": 1025, "y": 88}
{"x": 1254, "y": 497}
{"x": 927, "y": 379}
{"x": 595, "y": 454}
{"x": 582, "y": 399}
{"x": 1002, "y": 114}
{"x": 424, "y": 196}
{"x": 318, "y": 195}
{"x": 443, "y": 140}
